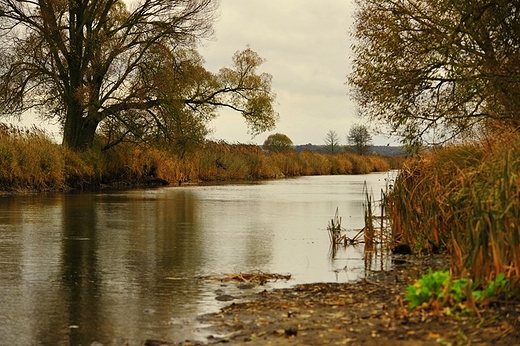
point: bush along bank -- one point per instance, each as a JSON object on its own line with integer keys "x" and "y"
{"x": 31, "y": 161}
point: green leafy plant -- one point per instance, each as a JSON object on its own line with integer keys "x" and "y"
{"x": 430, "y": 287}
{"x": 494, "y": 287}
{"x": 438, "y": 289}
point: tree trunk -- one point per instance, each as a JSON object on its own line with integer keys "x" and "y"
{"x": 80, "y": 125}
{"x": 79, "y": 131}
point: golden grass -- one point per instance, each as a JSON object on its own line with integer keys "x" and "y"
{"x": 465, "y": 199}
{"x": 30, "y": 160}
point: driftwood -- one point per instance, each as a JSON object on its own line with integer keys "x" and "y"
{"x": 256, "y": 277}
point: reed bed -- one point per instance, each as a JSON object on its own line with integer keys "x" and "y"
{"x": 31, "y": 160}
{"x": 464, "y": 199}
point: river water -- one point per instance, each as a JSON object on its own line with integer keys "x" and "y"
{"x": 114, "y": 267}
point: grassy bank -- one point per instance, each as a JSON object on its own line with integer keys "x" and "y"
{"x": 31, "y": 161}
{"x": 464, "y": 199}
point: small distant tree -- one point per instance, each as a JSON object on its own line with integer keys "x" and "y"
{"x": 359, "y": 139}
{"x": 277, "y": 142}
{"x": 332, "y": 141}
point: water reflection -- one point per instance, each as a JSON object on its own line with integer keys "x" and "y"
{"x": 100, "y": 267}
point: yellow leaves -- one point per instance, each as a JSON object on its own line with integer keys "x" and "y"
{"x": 247, "y": 61}
{"x": 248, "y": 92}
{"x": 432, "y": 335}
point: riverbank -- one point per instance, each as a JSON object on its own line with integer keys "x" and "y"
{"x": 31, "y": 162}
{"x": 362, "y": 313}
{"x": 369, "y": 312}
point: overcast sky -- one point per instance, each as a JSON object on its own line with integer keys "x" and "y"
{"x": 306, "y": 44}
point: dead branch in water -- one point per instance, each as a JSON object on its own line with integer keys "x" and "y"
{"x": 257, "y": 277}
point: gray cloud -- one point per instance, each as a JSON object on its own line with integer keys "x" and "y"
{"x": 306, "y": 47}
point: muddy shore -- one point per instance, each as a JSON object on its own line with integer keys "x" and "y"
{"x": 369, "y": 312}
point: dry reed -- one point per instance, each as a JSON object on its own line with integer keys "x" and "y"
{"x": 465, "y": 199}
{"x": 30, "y": 160}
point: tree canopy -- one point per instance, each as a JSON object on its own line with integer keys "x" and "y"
{"x": 332, "y": 141}
{"x": 360, "y": 139}
{"x": 277, "y": 142}
{"x": 127, "y": 69}
{"x": 437, "y": 69}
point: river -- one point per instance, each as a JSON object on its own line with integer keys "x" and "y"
{"x": 113, "y": 267}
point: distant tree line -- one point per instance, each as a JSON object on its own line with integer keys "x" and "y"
{"x": 359, "y": 141}
{"x": 382, "y": 150}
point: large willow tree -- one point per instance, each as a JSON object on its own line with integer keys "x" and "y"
{"x": 440, "y": 68}
{"x": 129, "y": 68}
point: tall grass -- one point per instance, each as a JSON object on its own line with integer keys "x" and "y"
{"x": 465, "y": 199}
{"x": 30, "y": 160}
